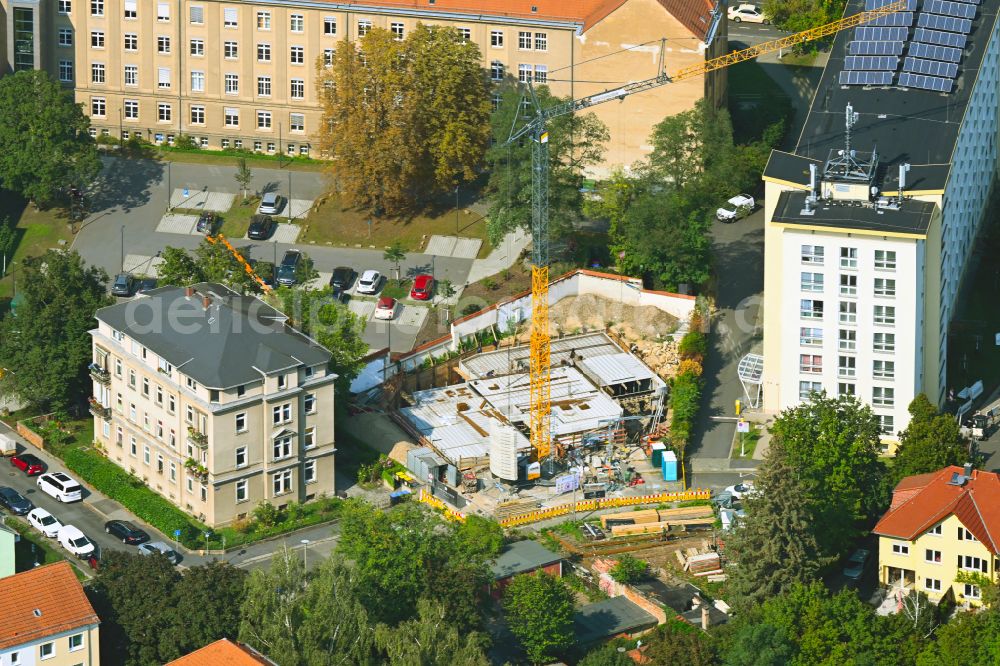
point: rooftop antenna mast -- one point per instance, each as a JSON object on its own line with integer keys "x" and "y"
{"x": 904, "y": 168}
{"x": 850, "y": 118}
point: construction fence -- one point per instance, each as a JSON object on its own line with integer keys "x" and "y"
{"x": 604, "y": 503}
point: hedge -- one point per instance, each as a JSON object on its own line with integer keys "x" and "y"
{"x": 685, "y": 397}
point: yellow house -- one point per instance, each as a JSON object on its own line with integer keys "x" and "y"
{"x": 938, "y": 526}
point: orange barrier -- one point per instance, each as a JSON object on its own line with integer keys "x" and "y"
{"x": 430, "y": 500}
{"x": 219, "y": 238}
{"x": 605, "y": 503}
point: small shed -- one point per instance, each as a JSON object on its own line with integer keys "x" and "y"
{"x": 609, "y": 618}
{"x": 522, "y": 557}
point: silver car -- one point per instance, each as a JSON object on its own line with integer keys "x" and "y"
{"x": 270, "y": 204}
{"x": 158, "y": 547}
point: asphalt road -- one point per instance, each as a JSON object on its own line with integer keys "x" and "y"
{"x": 751, "y": 34}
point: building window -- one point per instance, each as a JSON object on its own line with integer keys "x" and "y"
{"x": 282, "y": 448}
{"x": 886, "y": 425}
{"x": 811, "y": 281}
{"x": 232, "y": 117}
{"x": 936, "y": 530}
{"x": 204, "y": 493}
{"x": 173, "y": 471}
{"x": 46, "y": 650}
{"x": 848, "y": 312}
{"x": 810, "y": 309}
{"x": 97, "y": 72}
{"x": 849, "y": 258}
{"x": 163, "y": 112}
{"x": 932, "y": 584}
{"x": 811, "y": 336}
{"x": 397, "y": 31}
{"x": 241, "y": 457}
{"x": 75, "y": 642}
{"x": 933, "y": 556}
{"x": 972, "y": 591}
{"x": 309, "y": 471}
{"x": 241, "y": 491}
{"x": 171, "y": 403}
{"x": 263, "y": 53}
{"x": 66, "y": 71}
{"x": 496, "y": 70}
{"x": 263, "y": 120}
{"x": 304, "y": 150}
{"x": 132, "y": 76}
{"x": 131, "y": 9}
{"x": 263, "y": 86}
{"x": 282, "y": 482}
{"x": 966, "y": 535}
{"x": 465, "y": 34}
{"x": 97, "y": 7}
{"x": 846, "y": 388}
{"x": 524, "y": 41}
{"x": 846, "y": 367}
{"x": 298, "y": 89}
{"x": 329, "y": 26}
{"x": 98, "y": 109}
{"x": 162, "y": 44}
{"x": 65, "y": 37}
{"x": 145, "y": 387}
{"x": 883, "y": 397}
{"x": 232, "y": 84}
{"x": 309, "y": 437}
{"x": 847, "y": 340}
{"x": 197, "y": 15}
{"x": 812, "y": 254}
{"x": 970, "y": 563}
{"x": 131, "y": 41}
{"x": 198, "y": 83}
{"x": 231, "y": 50}
{"x": 197, "y": 115}
{"x": 884, "y": 342}
{"x": 885, "y": 314}
{"x": 296, "y": 22}
{"x": 263, "y": 20}
{"x": 198, "y": 47}
{"x": 885, "y": 260}
{"x": 65, "y": 6}
{"x": 524, "y": 73}
{"x": 808, "y": 388}
{"x": 163, "y": 11}
{"x": 230, "y": 17}
{"x": 364, "y": 25}
{"x": 297, "y": 55}
{"x": 884, "y": 287}
{"x": 848, "y": 285}
{"x": 541, "y": 74}
{"x": 884, "y": 369}
{"x": 281, "y": 413}
{"x": 812, "y": 363}
{"x": 541, "y": 41}
{"x": 296, "y": 122}
{"x": 309, "y": 403}
{"x": 97, "y": 39}
{"x": 163, "y": 77}
{"x": 258, "y": 145}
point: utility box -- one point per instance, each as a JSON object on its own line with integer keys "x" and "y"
{"x": 669, "y": 466}
{"x": 8, "y": 445}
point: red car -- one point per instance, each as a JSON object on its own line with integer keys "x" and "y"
{"x": 28, "y": 464}
{"x": 423, "y": 287}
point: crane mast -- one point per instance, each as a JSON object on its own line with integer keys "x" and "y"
{"x": 535, "y": 129}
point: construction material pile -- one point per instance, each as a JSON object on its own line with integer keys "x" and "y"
{"x": 653, "y": 521}
{"x": 595, "y": 313}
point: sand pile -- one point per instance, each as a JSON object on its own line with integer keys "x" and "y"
{"x": 595, "y": 313}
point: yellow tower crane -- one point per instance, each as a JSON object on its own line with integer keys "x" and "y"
{"x": 535, "y": 128}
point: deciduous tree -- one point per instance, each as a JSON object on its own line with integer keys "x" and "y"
{"x": 44, "y": 142}
{"x": 930, "y": 441}
{"x": 677, "y": 642}
{"x": 430, "y": 639}
{"x": 45, "y": 345}
{"x": 396, "y": 254}
{"x": 539, "y": 611}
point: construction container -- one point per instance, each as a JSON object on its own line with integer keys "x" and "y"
{"x": 669, "y": 466}
{"x": 657, "y": 453}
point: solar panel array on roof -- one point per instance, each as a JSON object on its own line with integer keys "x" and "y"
{"x": 909, "y": 80}
{"x": 933, "y": 52}
{"x": 899, "y": 19}
{"x": 880, "y": 34}
{"x": 853, "y": 78}
{"x": 871, "y": 62}
{"x": 931, "y": 67}
{"x": 875, "y": 48}
{"x": 911, "y": 5}
{"x": 958, "y": 9}
{"x": 949, "y": 23}
{"x": 935, "y": 37}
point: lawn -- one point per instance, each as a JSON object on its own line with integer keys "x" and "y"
{"x": 231, "y": 158}
{"x": 334, "y": 224}
{"x": 39, "y": 230}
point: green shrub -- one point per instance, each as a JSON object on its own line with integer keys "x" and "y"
{"x": 685, "y": 397}
{"x": 266, "y": 515}
{"x": 693, "y": 345}
{"x": 628, "y": 569}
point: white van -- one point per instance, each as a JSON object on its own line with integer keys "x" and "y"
{"x": 60, "y": 486}
{"x": 75, "y": 541}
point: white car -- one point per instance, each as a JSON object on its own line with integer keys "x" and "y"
{"x": 747, "y": 13}
{"x": 75, "y": 541}
{"x": 369, "y": 282}
{"x": 738, "y": 207}
{"x": 740, "y": 489}
{"x": 44, "y": 522}
{"x": 61, "y": 486}
{"x": 385, "y": 308}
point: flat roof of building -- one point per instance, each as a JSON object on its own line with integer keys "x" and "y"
{"x": 619, "y": 368}
{"x": 913, "y": 217}
{"x": 515, "y": 359}
{"x": 595, "y": 622}
{"x": 454, "y": 420}
{"x": 522, "y": 557}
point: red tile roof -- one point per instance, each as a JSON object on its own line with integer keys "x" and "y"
{"x": 223, "y": 652}
{"x": 920, "y": 502}
{"x": 41, "y": 602}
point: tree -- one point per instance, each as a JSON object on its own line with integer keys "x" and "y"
{"x": 576, "y": 141}
{"x": 834, "y": 444}
{"x": 243, "y": 177}
{"x": 211, "y": 262}
{"x": 403, "y": 120}
{"x": 930, "y": 442}
{"x": 755, "y": 644}
{"x": 206, "y": 604}
{"x": 178, "y": 267}
{"x": 395, "y": 254}
{"x": 430, "y": 639}
{"x": 677, "y": 642}
{"x": 774, "y": 546}
{"x": 799, "y": 15}
{"x": 628, "y": 569}
{"x": 478, "y": 539}
{"x": 47, "y": 345}
{"x": 606, "y": 655}
{"x": 8, "y": 239}
{"x": 539, "y": 611}
{"x": 969, "y": 638}
{"x": 44, "y": 141}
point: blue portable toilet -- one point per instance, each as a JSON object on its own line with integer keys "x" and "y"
{"x": 669, "y": 466}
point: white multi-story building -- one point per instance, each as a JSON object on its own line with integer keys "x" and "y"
{"x": 860, "y": 284}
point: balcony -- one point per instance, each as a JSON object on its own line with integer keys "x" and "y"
{"x": 196, "y": 438}
{"x": 99, "y": 374}
{"x": 99, "y": 410}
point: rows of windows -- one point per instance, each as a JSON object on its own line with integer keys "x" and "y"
{"x": 816, "y": 254}
{"x": 848, "y": 284}
{"x": 164, "y": 113}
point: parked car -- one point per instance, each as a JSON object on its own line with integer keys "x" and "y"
{"x": 28, "y": 463}
{"x": 126, "y": 531}
{"x": 61, "y": 486}
{"x": 855, "y": 566}
{"x": 207, "y": 222}
{"x": 740, "y": 489}
{"x": 159, "y": 548}
{"x": 385, "y": 308}
{"x": 736, "y": 208}
{"x": 342, "y": 278}
{"x": 288, "y": 269}
{"x": 44, "y": 522}
{"x": 14, "y": 501}
{"x": 270, "y": 204}
{"x": 75, "y": 541}
{"x": 123, "y": 285}
{"x": 423, "y": 287}
{"x": 369, "y": 282}
{"x": 261, "y": 227}
{"x": 146, "y": 284}
{"x": 748, "y": 13}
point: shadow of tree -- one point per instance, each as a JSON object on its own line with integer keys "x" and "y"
{"x": 124, "y": 183}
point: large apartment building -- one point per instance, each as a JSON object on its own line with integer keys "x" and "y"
{"x": 213, "y": 400}
{"x": 862, "y": 271}
{"x": 236, "y": 74}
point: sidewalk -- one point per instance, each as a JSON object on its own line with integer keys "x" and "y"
{"x": 503, "y": 256}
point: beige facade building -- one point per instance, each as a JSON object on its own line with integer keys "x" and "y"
{"x": 213, "y": 400}
{"x": 47, "y": 619}
{"x": 237, "y": 74}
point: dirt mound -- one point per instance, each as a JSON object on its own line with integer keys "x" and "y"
{"x": 596, "y": 313}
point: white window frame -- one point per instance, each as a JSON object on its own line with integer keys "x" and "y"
{"x": 932, "y": 556}
{"x": 811, "y": 364}
{"x": 885, "y": 287}
{"x": 847, "y": 367}
{"x": 398, "y": 30}
{"x": 885, "y": 260}
{"x": 297, "y": 55}
{"x": 524, "y": 39}
{"x": 65, "y": 7}
{"x": 65, "y": 37}
{"x": 263, "y": 20}
{"x": 883, "y": 369}
{"x": 66, "y": 71}
{"x": 130, "y": 10}
{"x": 98, "y": 107}
{"x": 241, "y": 451}
{"x": 162, "y": 12}
{"x": 296, "y": 22}
{"x": 231, "y": 117}
{"x": 263, "y": 52}
{"x": 197, "y": 48}
{"x": 265, "y": 120}
{"x": 813, "y": 312}
{"x": 329, "y": 26}
{"x": 230, "y": 17}
{"x": 932, "y": 584}
{"x": 811, "y": 282}
{"x": 232, "y": 82}
{"x": 541, "y": 41}
{"x": 197, "y": 15}
{"x": 297, "y": 89}
{"x": 197, "y": 81}
{"x": 309, "y": 471}
{"x": 242, "y": 487}
{"x": 296, "y": 122}
{"x": 197, "y": 114}
{"x": 810, "y": 336}
{"x": 231, "y": 50}
{"x": 281, "y": 482}
{"x": 813, "y": 254}
{"x": 849, "y": 258}
{"x": 496, "y": 39}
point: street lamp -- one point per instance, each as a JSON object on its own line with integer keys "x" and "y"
{"x": 123, "y": 249}
{"x": 305, "y": 553}
{"x": 456, "y": 210}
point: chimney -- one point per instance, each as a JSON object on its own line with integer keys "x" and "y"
{"x": 206, "y": 301}
{"x": 188, "y": 292}
{"x": 704, "y": 617}
{"x": 968, "y": 470}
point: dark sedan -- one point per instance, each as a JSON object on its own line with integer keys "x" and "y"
{"x": 14, "y": 502}
{"x": 207, "y": 222}
{"x": 126, "y": 531}
{"x": 29, "y": 464}
{"x": 261, "y": 227}
{"x": 342, "y": 278}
